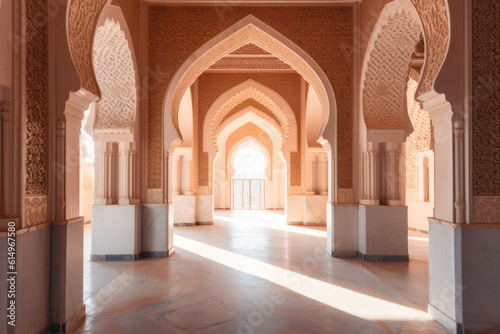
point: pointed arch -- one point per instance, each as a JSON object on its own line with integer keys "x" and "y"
{"x": 241, "y": 92}
{"x": 385, "y": 73}
{"x": 248, "y": 30}
{"x": 242, "y": 143}
{"x": 432, "y": 18}
{"x": 243, "y": 113}
{"x": 249, "y": 117}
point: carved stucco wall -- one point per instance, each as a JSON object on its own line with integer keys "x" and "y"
{"x": 82, "y": 19}
{"x": 250, "y": 103}
{"x": 131, "y": 10}
{"x": 369, "y": 12}
{"x": 114, "y": 69}
{"x": 387, "y": 72}
{"x": 420, "y": 139}
{"x": 37, "y": 104}
{"x": 212, "y": 85}
{"x": 435, "y": 23}
{"x": 486, "y": 111}
{"x": 176, "y": 32}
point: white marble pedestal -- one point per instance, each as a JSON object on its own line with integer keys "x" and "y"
{"x": 157, "y": 230}
{"x": 464, "y": 271}
{"x": 342, "y": 230}
{"x": 185, "y": 210}
{"x": 383, "y": 233}
{"x": 116, "y": 232}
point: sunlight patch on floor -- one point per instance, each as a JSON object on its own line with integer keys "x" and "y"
{"x": 278, "y": 224}
{"x": 352, "y": 302}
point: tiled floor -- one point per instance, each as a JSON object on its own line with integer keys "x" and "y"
{"x": 250, "y": 273}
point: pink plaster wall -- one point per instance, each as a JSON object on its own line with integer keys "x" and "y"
{"x": 5, "y": 45}
{"x": 313, "y": 118}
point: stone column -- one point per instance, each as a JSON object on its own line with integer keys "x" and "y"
{"x": 66, "y": 285}
{"x": 103, "y": 164}
{"x": 127, "y": 171}
{"x": 393, "y": 173}
{"x": 371, "y": 175}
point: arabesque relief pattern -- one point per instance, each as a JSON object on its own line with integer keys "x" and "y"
{"x": 183, "y": 30}
{"x": 486, "y": 116}
{"x": 115, "y": 73}
{"x": 82, "y": 22}
{"x": 435, "y": 20}
{"x": 131, "y": 10}
{"x": 387, "y": 71}
{"x": 37, "y": 102}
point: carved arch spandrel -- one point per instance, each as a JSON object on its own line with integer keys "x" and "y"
{"x": 386, "y": 73}
{"x": 114, "y": 68}
{"x": 81, "y": 24}
{"x": 82, "y": 18}
{"x": 435, "y": 20}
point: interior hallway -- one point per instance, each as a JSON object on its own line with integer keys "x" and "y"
{"x": 251, "y": 273}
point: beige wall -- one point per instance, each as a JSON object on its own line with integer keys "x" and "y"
{"x": 5, "y": 49}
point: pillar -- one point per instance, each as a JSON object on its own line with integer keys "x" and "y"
{"x": 127, "y": 174}
{"x": 383, "y": 220}
{"x": 66, "y": 284}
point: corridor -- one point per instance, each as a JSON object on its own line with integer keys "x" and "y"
{"x": 251, "y": 273}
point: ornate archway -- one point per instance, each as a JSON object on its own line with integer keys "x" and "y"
{"x": 248, "y": 30}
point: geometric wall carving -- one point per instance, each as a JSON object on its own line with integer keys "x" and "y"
{"x": 436, "y": 29}
{"x": 115, "y": 74}
{"x": 486, "y": 110}
{"x": 82, "y": 20}
{"x": 386, "y": 74}
{"x": 37, "y": 100}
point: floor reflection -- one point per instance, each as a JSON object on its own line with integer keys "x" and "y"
{"x": 251, "y": 273}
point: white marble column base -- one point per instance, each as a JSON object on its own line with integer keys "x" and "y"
{"x": 157, "y": 230}
{"x": 342, "y": 230}
{"x": 383, "y": 233}
{"x": 464, "y": 271}
{"x": 116, "y": 232}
